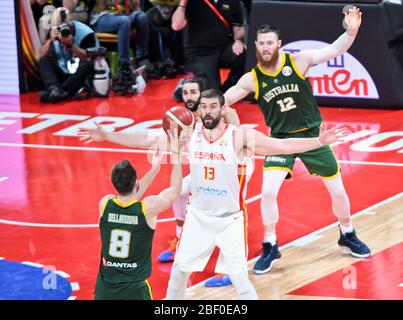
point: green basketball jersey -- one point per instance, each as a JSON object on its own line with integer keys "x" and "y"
{"x": 126, "y": 242}
{"x": 286, "y": 99}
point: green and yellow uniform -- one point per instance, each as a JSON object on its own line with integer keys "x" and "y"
{"x": 290, "y": 110}
{"x": 126, "y": 252}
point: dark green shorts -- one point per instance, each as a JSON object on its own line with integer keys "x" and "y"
{"x": 140, "y": 290}
{"x": 321, "y": 161}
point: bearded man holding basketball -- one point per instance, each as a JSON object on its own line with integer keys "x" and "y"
{"x": 223, "y": 219}
{"x": 191, "y": 90}
{"x": 216, "y": 213}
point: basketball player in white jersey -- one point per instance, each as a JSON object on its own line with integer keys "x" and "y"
{"x": 216, "y": 213}
{"x": 191, "y": 90}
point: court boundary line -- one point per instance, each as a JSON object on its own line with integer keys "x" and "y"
{"x": 316, "y": 232}
{"x": 61, "y": 225}
{"x": 139, "y": 151}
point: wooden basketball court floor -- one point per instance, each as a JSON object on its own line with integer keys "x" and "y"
{"x": 50, "y": 184}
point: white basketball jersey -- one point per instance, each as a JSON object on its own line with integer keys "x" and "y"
{"x": 217, "y": 177}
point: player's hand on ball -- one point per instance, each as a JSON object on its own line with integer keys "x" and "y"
{"x": 90, "y": 134}
{"x": 333, "y": 135}
{"x": 173, "y": 140}
{"x": 184, "y": 138}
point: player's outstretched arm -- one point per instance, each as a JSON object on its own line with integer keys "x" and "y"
{"x": 244, "y": 86}
{"x": 142, "y": 140}
{"x": 259, "y": 143}
{"x": 231, "y": 117}
{"x": 145, "y": 182}
{"x": 161, "y": 202}
{"x": 306, "y": 59}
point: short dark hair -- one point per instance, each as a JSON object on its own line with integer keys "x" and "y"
{"x": 266, "y": 29}
{"x": 123, "y": 177}
{"x": 197, "y": 80}
{"x": 213, "y": 93}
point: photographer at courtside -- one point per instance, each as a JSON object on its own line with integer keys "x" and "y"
{"x": 64, "y": 63}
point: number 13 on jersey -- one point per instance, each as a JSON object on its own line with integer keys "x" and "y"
{"x": 209, "y": 173}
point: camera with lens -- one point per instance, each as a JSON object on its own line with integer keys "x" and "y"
{"x": 96, "y": 52}
{"x": 64, "y": 30}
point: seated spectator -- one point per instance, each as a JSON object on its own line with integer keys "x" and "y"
{"x": 214, "y": 39}
{"x": 37, "y": 9}
{"x": 78, "y": 9}
{"x": 166, "y": 45}
{"x": 42, "y": 11}
{"x": 109, "y": 17}
{"x": 63, "y": 61}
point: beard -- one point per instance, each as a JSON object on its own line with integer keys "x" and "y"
{"x": 192, "y": 105}
{"x": 266, "y": 61}
{"x": 209, "y": 122}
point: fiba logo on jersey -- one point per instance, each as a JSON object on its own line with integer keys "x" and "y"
{"x": 287, "y": 71}
{"x": 343, "y": 76}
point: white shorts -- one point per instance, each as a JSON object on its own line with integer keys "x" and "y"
{"x": 202, "y": 233}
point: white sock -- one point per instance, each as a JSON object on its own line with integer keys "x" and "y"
{"x": 270, "y": 237}
{"x": 178, "y": 231}
{"x": 346, "y": 228}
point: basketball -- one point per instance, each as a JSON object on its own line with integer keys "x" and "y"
{"x": 180, "y": 118}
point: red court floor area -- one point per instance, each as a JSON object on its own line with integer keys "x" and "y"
{"x": 50, "y": 182}
{"x": 378, "y": 278}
